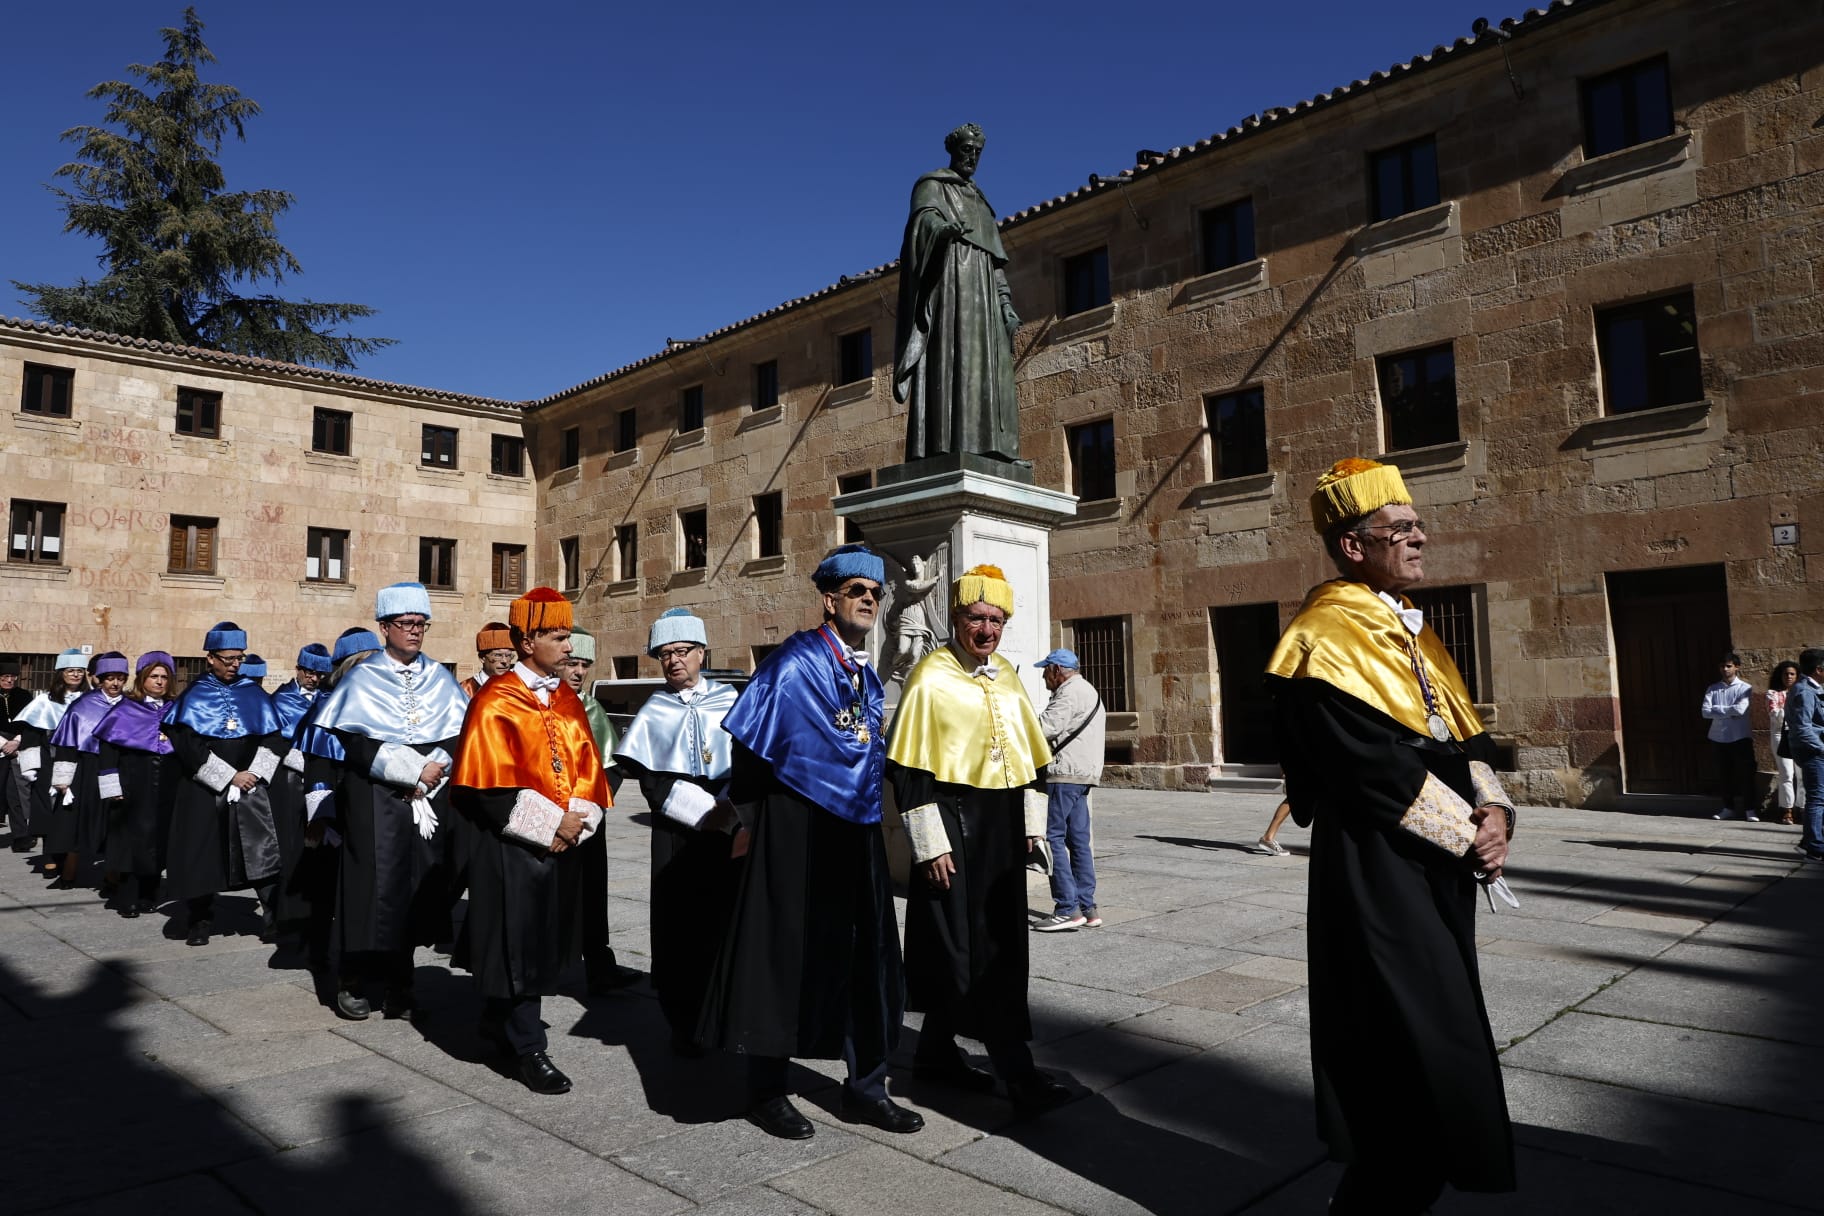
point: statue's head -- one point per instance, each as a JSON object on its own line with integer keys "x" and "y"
{"x": 965, "y": 148}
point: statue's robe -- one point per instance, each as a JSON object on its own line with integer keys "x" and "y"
{"x": 953, "y": 365}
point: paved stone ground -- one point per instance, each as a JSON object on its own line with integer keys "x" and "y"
{"x": 1655, "y": 993}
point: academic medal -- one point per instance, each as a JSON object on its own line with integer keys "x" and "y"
{"x": 1439, "y": 731}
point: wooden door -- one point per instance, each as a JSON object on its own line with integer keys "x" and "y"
{"x": 1245, "y": 636}
{"x": 1671, "y": 630}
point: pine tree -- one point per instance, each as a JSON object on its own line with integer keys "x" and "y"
{"x": 176, "y": 243}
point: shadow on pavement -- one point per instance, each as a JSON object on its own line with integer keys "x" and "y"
{"x": 97, "y": 1125}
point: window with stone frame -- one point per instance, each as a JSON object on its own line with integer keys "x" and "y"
{"x": 1085, "y": 281}
{"x": 325, "y": 555}
{"x": 1101, "y": 643}
{"x": 1228, "y": 235}
{"x": 570, "y": 562}
{"x": 1091, "y": 446}
{"x": 507, "y": 456}
{"x": 1238, "y": 433}
{"x": 626, "y": 551}
{"x": 190, "y": 669}
{"x": 769, "y": 524}
{"x": 626, "y": 430}
{"x": 438, "y": 449}
{"x": 1418, "y": 398}
{"x": 437, "y": 562}
{"x": 507, "y": 573}
{"x": 1649, "y": 355}
{"x": 192, "y": 547}
{"x": 1403, "y": 178}
{"x": 1628, "y": 106}
{"x": 37, "y": 672}
{"x": 47, "y": 391}
{"x": 766, "y": 384}
{"x": 329, "y": 431}
{"x": 850, "y": 483}
{"x": 761, "y": 650}
{"x": 570, "y": 447}
{"x": 855, "y": 356}
{"x": 36, "y": 533}
{"x": 1452, "y": 613}
{"x": 693, "y": 539}
{"x": 199, "y": 413}
{"x": 690, "y": 409}
{"x": 626, "y": 666}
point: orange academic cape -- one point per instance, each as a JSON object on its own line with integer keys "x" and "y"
{"x": 510, "y": 741}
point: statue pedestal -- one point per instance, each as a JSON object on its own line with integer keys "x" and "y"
{"x": 964, "y": 517}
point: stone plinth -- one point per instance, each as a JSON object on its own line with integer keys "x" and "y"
{"x": 960, "y": 518}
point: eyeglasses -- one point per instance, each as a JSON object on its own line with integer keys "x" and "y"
{"x": 409, "y": 626}
{"x": 985, "y": 622}
{"x": 1397, "y": 532}
{"x": 676, "y": 652}
{"x": 856, "y": 591}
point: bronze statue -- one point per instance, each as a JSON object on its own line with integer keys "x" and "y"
{"x": 953, "y": 347}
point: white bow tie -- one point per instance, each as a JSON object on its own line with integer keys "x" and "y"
{"x": 986, "y": 669}
{"x": 545, "y": 684}
{"x": 858, "y": 656}
{"x": 1412, "y": 618}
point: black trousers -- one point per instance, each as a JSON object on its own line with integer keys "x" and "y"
{"x": 1736, "y": 763}
{"x": 937, "y": 1048}
{"x": 519, "y": 1020}
{"x": 867, "y": 1079}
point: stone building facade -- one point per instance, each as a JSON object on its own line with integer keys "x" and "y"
{"x": 153, "y": 491}
{"x": 1563, "y": 273}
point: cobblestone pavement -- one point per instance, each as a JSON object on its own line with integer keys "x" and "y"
{"x": 1655, "y": 993}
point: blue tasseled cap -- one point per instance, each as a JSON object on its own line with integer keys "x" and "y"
{"x": 315, "y": 657}
{"x": 846, "y": 562}
{"x": 226, "y": 636}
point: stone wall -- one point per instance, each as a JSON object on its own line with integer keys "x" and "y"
{"x": 123, "y": 473}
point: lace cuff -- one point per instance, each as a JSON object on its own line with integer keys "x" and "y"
{"x": 592, "y": 817}
{"x": 688, "y": 804}
{"x": 216, "y": 773}
{"x": 925, "y": 832}
{"x": 534, "y": 819}
{"x": 1036, "y": 806}
{"x": 110, "y": 785}
{"x": 264, "y": 765}
{"x": 397, "y": 764}
{"x": 294, "y": 760}
{"x": 1441, "y": 816}
{"x": 63, "y": 773}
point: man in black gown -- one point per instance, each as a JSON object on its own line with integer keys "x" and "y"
{"x": 1386, "y": 759}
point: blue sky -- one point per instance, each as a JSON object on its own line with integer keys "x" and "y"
{"x": 535, "y": 194}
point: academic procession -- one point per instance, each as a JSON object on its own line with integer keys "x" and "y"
{"x": 372, "y": 804}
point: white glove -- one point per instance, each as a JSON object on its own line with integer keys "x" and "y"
{"x": 233, "y": 793}
{"x": 69, "y": 795}
{"x": 424, "y": 817}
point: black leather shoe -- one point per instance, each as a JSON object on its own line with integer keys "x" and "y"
{"x": 778, "y": 1117}
{"x": 352, "y": 1005}
{"x": 399, "y": 1003}
{"x": 603, "y": 980}
{"x": 1037, "y": 1093}
{"x": 199, "y": 933}
{"x": 25, "y": 844}
{"x": 63, "y": 883}
{"x": 959, "y": 1075}
{"x": 540, "y": 1075}
{"x": 884, "y": 1113}
{"x": 130, "y": 912}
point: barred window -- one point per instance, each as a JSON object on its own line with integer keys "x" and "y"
{"x": 1451, "y": 614}
{"x": 1101, "y": 645}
